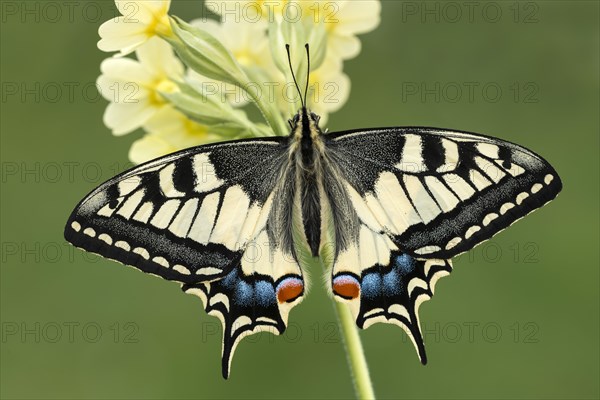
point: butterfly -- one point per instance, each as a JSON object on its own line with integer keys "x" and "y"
{"x": 386, "y": 210}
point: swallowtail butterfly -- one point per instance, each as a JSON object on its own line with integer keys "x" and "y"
{"x": 385, "y": 209}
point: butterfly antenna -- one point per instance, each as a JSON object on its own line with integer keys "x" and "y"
{"x": 287, "y": 48}
{"x": 307, "y": 71}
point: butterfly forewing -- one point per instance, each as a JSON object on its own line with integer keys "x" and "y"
{"x": 185, "y": 216}
{"x": 438, "y": 193}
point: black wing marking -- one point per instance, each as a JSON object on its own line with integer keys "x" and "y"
{"x": 436, "y": 192}
{"x": 185, "y": 216}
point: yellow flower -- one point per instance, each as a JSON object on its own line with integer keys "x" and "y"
{"x": 246, "y": 41}
{"x": 344, "y": 20}
{"x": 133, "y": 87}
{"x": 239, "y": 59}
{"x": 249, "y": 45}
{"x": 140, "y": 21}
{"x": 169, "y": 131}
{"x": 257, "y": 12}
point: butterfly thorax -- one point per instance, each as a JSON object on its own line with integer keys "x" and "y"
{"x": 306, "y": 137}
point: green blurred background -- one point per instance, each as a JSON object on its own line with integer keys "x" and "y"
{"x": 519, "y": 317}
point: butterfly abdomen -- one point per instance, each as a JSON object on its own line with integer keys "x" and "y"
{"x": 311, "y": 209}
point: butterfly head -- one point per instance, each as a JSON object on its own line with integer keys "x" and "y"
{"x": 304, "y": 119}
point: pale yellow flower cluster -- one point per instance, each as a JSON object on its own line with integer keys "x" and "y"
{"x": 328, "y": 26}
{"x": 227, "y": 64}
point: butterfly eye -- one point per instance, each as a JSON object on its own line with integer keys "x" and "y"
{"x": 346, "y": 286}
{"x": 315, "y": 117}
{"x": 289, "y": 289}
{"x": 294, "y": 121}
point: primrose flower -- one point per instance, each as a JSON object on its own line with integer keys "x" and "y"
{"x": 246, "y": 41}
{"x": 134, "y": 87}
{"x": 140, "y": 21}
{"x": 343, "y": 19}
{"x": 169, "y": 131}
{"x": 191, "y": 81}
{"x": 257, "y": 12}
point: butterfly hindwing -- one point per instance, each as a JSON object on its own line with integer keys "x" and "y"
{"x": 438, "y": 193}
{"x": 389, "y": 291}
{"x": 400, "y": 288}
{"x": 255, "y": 296}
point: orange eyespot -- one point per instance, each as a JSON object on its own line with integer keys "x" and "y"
{"x": 346, "y": 286}
{"x": 289, "y": 290}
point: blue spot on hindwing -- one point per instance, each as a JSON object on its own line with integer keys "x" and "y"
{"x": 405, "y": 263}
{"x": 392, "y": 284}
{"x": 244, "y": 294}
{"x": 230, "y": 279}
{"x": 390, "y": 281}
{"x": 371, "y": 285}
{"x": 265, "y": 293}
{"x": 248, "y": 294}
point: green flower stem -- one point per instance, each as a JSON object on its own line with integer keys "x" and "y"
{"x": 354, "y": 352}
{"x": 357, "y": 362}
